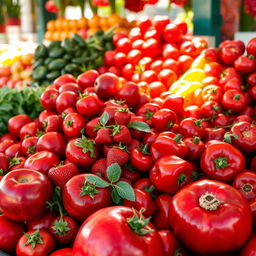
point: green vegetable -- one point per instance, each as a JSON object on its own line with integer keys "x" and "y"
{"x": 56, "y": 52}
{"x": 41, "y": 51}
{"x": 14, "y": 102}
{"x": 57, "y": 64}
{"x": 40, "y": 73}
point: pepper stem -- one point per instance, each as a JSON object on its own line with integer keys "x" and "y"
{"x": 221, "y": 162}
{"x": 209, "y": 202}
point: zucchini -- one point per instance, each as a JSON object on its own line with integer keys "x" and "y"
{"x": 57, "y": 64}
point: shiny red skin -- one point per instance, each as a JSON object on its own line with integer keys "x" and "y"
{"x": 234, "y": 159}
{"x": 214, "y": 134}
{"x": 94, "y": 237}
{"x": 44, "y": 114}
{"x": 184, "y": 63}
{"x": 249, "y": 249}
{"x": 75, "y": 154}
{"x": 43, "y": 249}
{"x": 245, "y": 183}
{"x": 10, "y": 232}
{"x": 43, "y": 222}
{"x": 53, "y": 142}
{"x": 140, "y": 161}
{"x": 63, "y": 252}
{"x": 161, "y": 217}
{"x": 245, "y": 64}
{"x": 5, "y": 144}
{"x": 66, "y": 100}
{"x": 70, "y": 87}
{"x": 7, "y": 136}
{"x": 17, "y": 122}
{"x": 202, "y": 230}
{"x": 195, "y": 148}
{"x": 80, "y": 207}
{"x": 23, "y": 194}
{"x": 72, "y": 125}
{"x": 90, "y": 127}
{"x": 229, "y": 54}
{"x": 189, "y": 128}
{"x": 53, "y": 123}
{"x": 14, "y": 150}
{"x": 164, "y": 119}
{"x": 167, "y": 172}
{"x": 28, "y": 146}
{"x": 150, "y": 48}
{"x": 251, "y": 79}
{"x": 29, "y": 129}
{"x": 212, "y": 54}
{"x": 20, "y": 164}
{"x": 48, "y": 99}
{"x": 166, "y": 145}
{"x": 4, "y": 163}
{"x": 42, "y": 161}
{"x": 130, "y": 94}
{"x": 234, "y": 83}
{"x": 229, "y": 100}
{"x": 64, "y": 79}
{"x": 172, "y": 34}
{"x": 160, "y": 22}
{"x": 212, "y": 93}
{"x": 228, "y": 74}
{"x": 89, "y": 105}
{"x": 174, "y": 103}
{"x": 143, "y": 200}
{"x": 192, "y": 111}
{"x": 149, "y": 138}
{"x": 246, "y": 136}
{"x": 210, "y": 109}
{"x": 87, "y": 78}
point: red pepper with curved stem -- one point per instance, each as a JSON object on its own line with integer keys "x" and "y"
{"x": 144, "y": 201}
{"x": 161, "y": 217}
{"x": 195, "y": 147}
{"x": 170, "y": 173}
{"x": 198, "y": 213}
{"x": 222, "y": 161}
{"x": 245, "y": 183}
{"x": 234, "y": 100}
{"x": 191, "y": 126}
{"x": 164, "y": 119}
{"x": 245, "y": 136}
{"x": 141, "y": 159}
{"x": 165, "y": 145}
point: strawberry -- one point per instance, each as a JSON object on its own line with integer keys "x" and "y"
{"x": 100, "y": 167}
{"x": 121, "y": 134}
{"x": 103, "y": 137}
{"x": 117, "y": 155}
{"x": 64, "y": 229}
{"x": 60, "y": 175}
{"x": 122, "y": 116}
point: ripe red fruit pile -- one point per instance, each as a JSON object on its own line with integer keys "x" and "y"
{"x": 138, "y": 176}
{"x": 154, "y": 54}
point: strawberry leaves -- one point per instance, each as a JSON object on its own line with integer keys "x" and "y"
{"x": 139, "y": 126}
{"x": 104, "y": 118}
{"x": 120, "y": 189}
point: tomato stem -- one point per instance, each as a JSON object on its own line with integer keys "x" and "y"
{"x": 221, "y": 162}
{"x": 247, "y": 188}
{"x": 209, "y": 202}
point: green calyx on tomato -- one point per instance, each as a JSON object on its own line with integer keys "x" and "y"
{"x": 229, "y": 136}
{"x": 61, "y": 227}
{"x": 170, "y": 125}
{"x": 182, "y": 178}
{"x": 151, "y": 190}
{"x": 89, "y": 189}
{"x": 1, "y": 172}
{"x": 31, "y": 150}
{"x": 237, "y": 97}
{"x": 209, "y": 202}
{"x": 177, "y": 138}
{"x": 144, "y": 149}
{"x": 14, "y": 161}
{"x": 149, "y": 114}
{"x": 86, "y": 145}
{"x": 69, "y": 123}
{"x": 123, "y": 110}
{"x": 139, "y": 224}
{"x": 34, "y": 239}
{"x": 196, "y": 140}
{"x": 198, "y": 123}
{"x": 220, "y": 163}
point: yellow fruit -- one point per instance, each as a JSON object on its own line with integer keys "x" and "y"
{"x": 199, "y": 62}
{"x": 177, "y": 85}
{"x": 188, "y": 88}
{"x": 193, "y": 75}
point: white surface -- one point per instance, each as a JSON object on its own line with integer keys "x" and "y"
{"x": 244, "y": 36}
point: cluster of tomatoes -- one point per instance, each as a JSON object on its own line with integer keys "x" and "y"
{"x": 114, "y": 167}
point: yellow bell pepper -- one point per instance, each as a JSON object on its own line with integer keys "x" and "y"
{"x": 193, "y": 75}
{"x": 177, "y": 85}
{"x": 199, "y": 62}
{"x": 189, "y": 88}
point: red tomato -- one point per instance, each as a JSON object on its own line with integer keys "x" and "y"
{"x": 222, "y": 161}
{"x": 73, "y": 124}
{"x": 170, "y": 173}
{"x": 167, "y": 77}
{"x": 66, "y": 100}
{"x": 245, "y": 64}
{"x": 35, "y": 243}
{"x": 17, "y": 122}
{"x": 171, "y": 52}
{"x": 30, "y": 129}
{"x": 124, "y": 45}
{"x": 150, "y": 48}
{"x": 64, "y": 79}
{"x": 63, "y": 252}
{"x": 199, "y": 221}
{"x": 42, "y": 161}
{"x": 48, "y": 98}
{"x": 10, "y": 232}
{"x": 71, "y": 87}
{"x": 87, "y": 78}
{"x": 251, "y": 47}
{"x": 174, "y": 103}
{"x": 234, "y": 100}
{"x": 23, "y": 194}
{"x": 125, "y": 238}
{"x": 81, "y": 198}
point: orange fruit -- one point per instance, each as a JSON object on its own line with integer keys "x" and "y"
{"x": 114, "y": 19}
{"x": 27, "y": 59}
{"x": 72, "y": 24}
{"x": 58, "y": 23}
{"x": 56, "y": 35}
{"x": 63, "y": 34}
{"x": 50, "y": 25}
{"x": 48, "y": 35}
{"x": 82, "y": 23}
{"x": 64, "y": 24}
{"x": 94, "y": 22}
{"x": 103, "y": 22}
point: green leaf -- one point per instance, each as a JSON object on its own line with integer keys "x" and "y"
{"x": 125, "y": 190}
{"x": 104, "y": 118}
{"x": 140, "y": 126}
{"x": 115, "y": 197}
{"x": 114, "y": 172}
{"x": 97, "y": 181}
